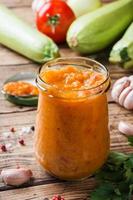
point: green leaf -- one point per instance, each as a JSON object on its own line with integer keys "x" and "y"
{"x": 117, "y": 158}
{"x": 108, "y": 175}
{"x": 104, "y": 191}
{"x": 130, "y": 192}
{"x": 113, "y": 170}
{"x": 130, "y": 140}
{"x": 115, "y": 178}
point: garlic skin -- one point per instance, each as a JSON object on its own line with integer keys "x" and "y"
{"x": 16, "y": 177}
{"x": 122, "y": 92}
{"x": 125, "y": 128}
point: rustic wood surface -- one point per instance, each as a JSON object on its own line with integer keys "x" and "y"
{"x": 43, "y": 185}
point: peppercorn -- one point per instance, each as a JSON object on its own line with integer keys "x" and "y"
{"x": 58, "y": 197}
{"x": 3, "y": 148}
{"x": 21, "y": 142}
{"x": 12, "y": 130}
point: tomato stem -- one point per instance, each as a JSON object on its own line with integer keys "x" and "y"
{"x": 53, "y": 20}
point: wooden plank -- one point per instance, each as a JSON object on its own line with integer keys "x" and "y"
{"x": 9, "y": 57}
{"x": 71, "y": 191}
{"x": 16, "y": 119}
{"x": 17, "y": 3}
{"x": 8, "y": 71}
{"x": 25, "y": 158}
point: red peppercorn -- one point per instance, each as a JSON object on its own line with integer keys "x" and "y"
{"x": 58, "y": 197}
{"x": 21, "y": 142}
{"x": 12, "y": 130}
{"x": 3, "y": 148}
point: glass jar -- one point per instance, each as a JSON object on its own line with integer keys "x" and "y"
{"x": 72, "y": 138}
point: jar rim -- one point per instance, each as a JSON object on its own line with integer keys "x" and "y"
{"x": 71, "y": 60}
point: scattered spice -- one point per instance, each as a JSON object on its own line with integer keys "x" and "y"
{"x": 26, "y": 130}
{"x": 58, "y": 197}
{"x": 9, "y": 140}
{"x": 9, "y": 146}
{"x": 13, "y": 130}
{"x": 6, "y": 135}
{"x": 3, "y": 148}
{"x": 21, "y": 141}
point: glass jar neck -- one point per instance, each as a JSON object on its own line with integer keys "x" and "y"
{"x": 81, "y": 62}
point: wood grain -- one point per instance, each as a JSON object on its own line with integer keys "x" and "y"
{"x": 17, "y": 3}
{"x": 70, "y": 191}
{"x": 43, "y": 185}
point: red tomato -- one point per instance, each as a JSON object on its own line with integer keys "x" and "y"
{"x": 54, "y": 19}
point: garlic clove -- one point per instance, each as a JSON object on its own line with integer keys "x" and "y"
{"x": 128, "y": 103}
{"x": 16, "y": 177}
{"x": 117, "y": 89}
{"x": 131, "y": 79}
{"x": 121, "y": 80}
{"x": 124, "y": 94}
{"x": 125, "y": 128}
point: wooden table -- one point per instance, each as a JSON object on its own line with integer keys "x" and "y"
{"x": 43, "y": 185}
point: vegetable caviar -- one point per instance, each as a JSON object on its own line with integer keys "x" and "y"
{"x": 20, "y": 88}
{"x": 70, "y": 77}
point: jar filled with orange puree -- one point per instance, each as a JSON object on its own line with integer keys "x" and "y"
{"x": 72, "y": 137}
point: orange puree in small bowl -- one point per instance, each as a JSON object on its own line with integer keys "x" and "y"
{"x": 20, "y": 88}
{"x": 72, "y": 137}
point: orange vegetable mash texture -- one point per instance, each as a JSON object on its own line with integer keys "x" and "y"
{"x": 72, "y": 78}
{"x": 20, "y": 88}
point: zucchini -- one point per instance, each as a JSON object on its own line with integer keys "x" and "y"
{"x": 20, "y": 37}
{"x": 122, "y": 51}
{"x": 95, "y": 31}
{"x": 84, "y": 6}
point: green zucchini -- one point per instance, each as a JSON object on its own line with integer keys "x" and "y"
{"x": 20, "y": 37}
{"x": 122, "y": 51}
{"x": 95, "y": 31}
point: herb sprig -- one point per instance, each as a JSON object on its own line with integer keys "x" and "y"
{"x": 115, "y": 179}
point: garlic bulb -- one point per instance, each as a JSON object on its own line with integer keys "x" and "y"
{"x": 122, "y": 92}
{"x": 16, "y": 177}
